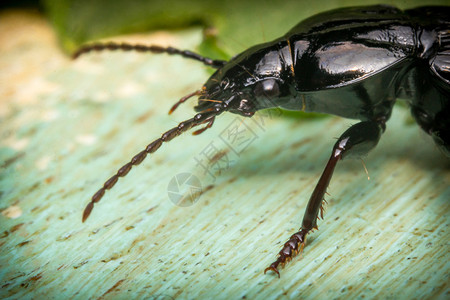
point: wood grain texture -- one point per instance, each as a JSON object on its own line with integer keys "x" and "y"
{"x": 68, "y": 125}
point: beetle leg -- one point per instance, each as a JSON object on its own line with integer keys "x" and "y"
{"x": 355, "y": 142}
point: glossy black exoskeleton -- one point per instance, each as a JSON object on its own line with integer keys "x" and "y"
{"x": 351, "y": 62}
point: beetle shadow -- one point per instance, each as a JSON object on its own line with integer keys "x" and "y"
{"x": 424, "y": 154}
{"x": 416, "y": 148}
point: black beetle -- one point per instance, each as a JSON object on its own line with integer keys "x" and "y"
{"x": 351, "y": 62}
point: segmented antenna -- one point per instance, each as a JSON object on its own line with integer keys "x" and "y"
{"x": 215, "y": 63}
{"x": 200, "y": 118}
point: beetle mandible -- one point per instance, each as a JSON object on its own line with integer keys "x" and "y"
{"x": 351, "y": 62}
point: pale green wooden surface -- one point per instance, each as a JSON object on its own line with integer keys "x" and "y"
{"x": 67, "y": 126}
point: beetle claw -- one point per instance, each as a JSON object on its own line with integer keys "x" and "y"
{"x": 273, "y": 269}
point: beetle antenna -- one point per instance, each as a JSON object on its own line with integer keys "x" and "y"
{"x": 153, "y": 49}
{"x": 198, "y": 119}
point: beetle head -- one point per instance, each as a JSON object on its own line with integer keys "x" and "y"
{"x": 242, "y": 93}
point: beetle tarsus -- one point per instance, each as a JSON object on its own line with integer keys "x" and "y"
{"x": 291, "y": 248}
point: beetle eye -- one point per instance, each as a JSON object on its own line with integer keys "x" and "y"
{"x": 268, "y": 88}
